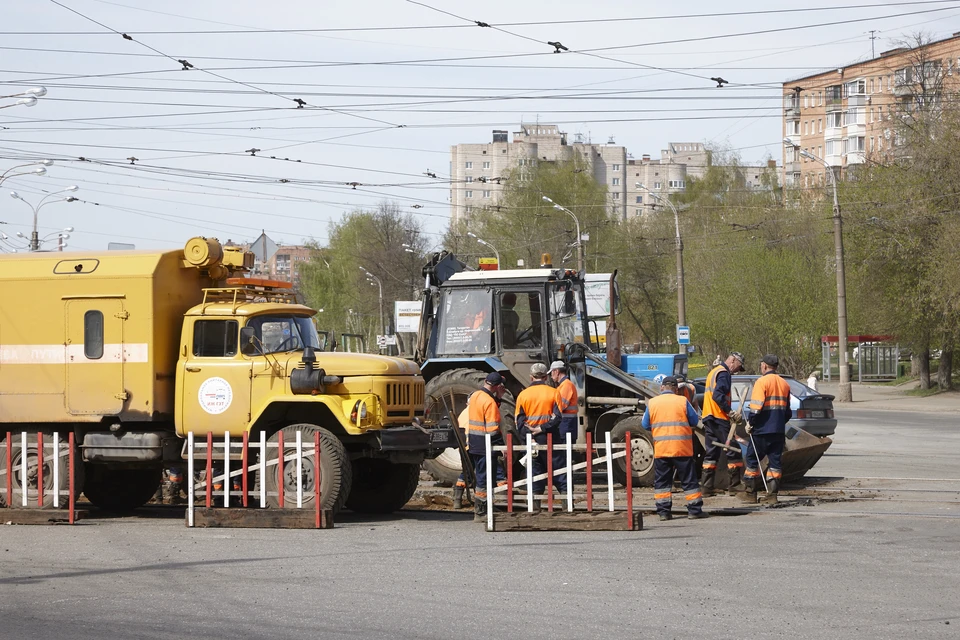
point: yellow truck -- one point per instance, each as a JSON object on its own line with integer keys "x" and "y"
{"x": 132, "y": 350}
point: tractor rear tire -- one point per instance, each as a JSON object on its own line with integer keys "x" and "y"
{"x": 641, "y": 454}
{"x": 445, "y": 398}
{"x": 380, "y": 486}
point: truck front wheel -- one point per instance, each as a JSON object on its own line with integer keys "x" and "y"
{"x": 17, "y": 458}
{"x": 336, "y": 473}
{"x": 120, "y": 489}
{"x": 380, "y": 486}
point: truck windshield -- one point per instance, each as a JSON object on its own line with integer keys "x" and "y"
{"x": 465, "y": 322}
{"x": 284, "y": 333}
{"x": 566, "y": 316}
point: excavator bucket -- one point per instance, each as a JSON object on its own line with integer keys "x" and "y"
{"x": 801, "y": 451}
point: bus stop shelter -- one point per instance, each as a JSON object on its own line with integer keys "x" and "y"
{"x": 874, "y": 357}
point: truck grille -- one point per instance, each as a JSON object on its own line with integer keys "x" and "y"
{"x": 404, "y": 399}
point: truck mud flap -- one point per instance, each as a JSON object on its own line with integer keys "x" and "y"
{"x": 801, "y": 452}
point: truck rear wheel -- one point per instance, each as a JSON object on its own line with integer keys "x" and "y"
{"x": 446, "y": 397}
{"x": 63, "y": 470}
{"x": 120, "y": 489}
{"x": 336, "y": 473}
{"x": 641, "y": 452}
{"x": 380, "y": 486}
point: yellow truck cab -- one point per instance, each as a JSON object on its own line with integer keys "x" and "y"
{"x": 133, "y": 350}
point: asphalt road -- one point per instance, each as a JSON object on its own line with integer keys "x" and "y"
{"x": 869, "y": 566}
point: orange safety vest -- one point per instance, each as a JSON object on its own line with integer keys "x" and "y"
{"x": 538, "y": 402}
{"x": 568, "y": 398}
{"x": 672, "y": 433}
{"x": 483, "y": 414}
{"x": 710, "y": 406}
{"x": 688, "y": 391}
{"x": 771, "y": 394}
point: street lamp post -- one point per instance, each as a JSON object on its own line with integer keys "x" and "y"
{"x": 375, "y": 280}
{"x": 36, "y": 171}
{"x": 681, "y": 296}
{"x": 845, "y": 393}
{"x": 34, "y": 236}
{"x": 581, "y": 260}
{"x": 486, "y": 244}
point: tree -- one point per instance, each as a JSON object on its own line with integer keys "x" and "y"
{"x": 389, "y": 244}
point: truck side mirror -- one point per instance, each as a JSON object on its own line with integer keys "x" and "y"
{"x": 248, "y": 341}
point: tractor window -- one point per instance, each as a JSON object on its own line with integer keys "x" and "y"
{"x": 520, "y": 319}
{"x": 565, "y": 322}
{"x": 466, "y": 323}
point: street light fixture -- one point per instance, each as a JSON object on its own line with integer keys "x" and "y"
{"x": 581, "y": 259}
{"x": 28, "y": 98}
{"x": 486, "y": 244}
{"x": 36, "y": 171}
{"x": 845, "y": 393}
{"x": 34, "y": 237}
{"x": 681, "y": 297}
{"x": 379, "y": 284}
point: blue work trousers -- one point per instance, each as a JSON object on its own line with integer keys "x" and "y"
{"x": 685, "y": 470}
{"x": 480, "y": 469}
{"x": 769, "y": 445}
{"x": 567, "y": 425}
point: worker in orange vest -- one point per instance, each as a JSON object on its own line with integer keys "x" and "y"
{"x": 483, "y": 417}
{"x": 569, "y": 401}
{"x": 671, "y": 419}
{"x": 769, "y": 411}
{"x": 538, "y": 413}
{"x": 686, "y": 389}
{"x": 716, "y": 425}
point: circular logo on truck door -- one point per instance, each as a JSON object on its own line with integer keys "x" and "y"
{"x": 215, "y": 395}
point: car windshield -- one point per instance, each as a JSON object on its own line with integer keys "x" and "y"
{"x": 465, "y": 322}
{"x": 284, "y": 333}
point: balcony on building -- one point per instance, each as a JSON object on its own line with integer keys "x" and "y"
{"x": 834, "y": 98}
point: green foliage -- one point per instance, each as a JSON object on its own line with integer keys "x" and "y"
{"x": 334, "y": 281}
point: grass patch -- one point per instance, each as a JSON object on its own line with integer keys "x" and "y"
{"x": 923, "y": 393}
{"x": 897, "y": 382}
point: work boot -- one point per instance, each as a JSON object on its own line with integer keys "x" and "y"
{"x": 707, "y": 482}
{"x": 698, "y": 515}
{"x": 773, "y": 488}
{"x": 458, "y": 497}
{"x": 665, "y": 515}
{"x": 749, "y": 494}
{"x": 479, "y": 510}
{"x": 736, "y": 481}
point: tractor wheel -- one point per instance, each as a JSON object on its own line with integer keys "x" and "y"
{"x": 16, "y": 479}
{"x": 641, "y": 452}
{"x": 120, "y": 489}
{"x": 446, "y": 397}
{"x": 380, "y": 486}
{"x": 336, "y": 472}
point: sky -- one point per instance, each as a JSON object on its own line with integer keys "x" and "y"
{"x": 289, "y": 114}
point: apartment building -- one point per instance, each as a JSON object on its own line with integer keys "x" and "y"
{"x": 847, "y": 116}
{"x": 478, "y": 170}
{"x": 283, "y": 261}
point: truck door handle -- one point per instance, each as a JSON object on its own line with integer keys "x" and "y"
{"x": 192, "y": 369}
{"x": 536, "y": 355}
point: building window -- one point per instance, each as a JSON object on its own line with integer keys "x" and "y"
{"x": 856, "y": 144}
{"x": 856, "y": 88}
{"x": 819, "y": 99}
{"x": 820, "y": 151}
{"x": 469, "y": 178}
{"x": 615, "y": 167}
{"x": 486, "y": 194}
{"x": 215, "y": 338}
{"x": 468, "y": 210}
{"x": 468, "y": 165}
{"x": 616, "y": 195}
{"x": 871, "y": 85}
{"x": 835, "y": 120}
{"x": 639, "y": 199}
{"x": 676, "y": 184}
{"x": 656, "y": 185}
{"x": 871, "y": 143}
{"x": 819, "y": 125}
{"x": 93, "y": 335}
{"x": 486, "y": 165}
{"x": 806, "y": 101}
{"x": 616, "y": 182}
{"x": 468, "y": 194}
{"x": 903, "y": 76}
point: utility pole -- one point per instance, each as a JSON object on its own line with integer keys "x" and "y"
{"x": 873, "y": 38}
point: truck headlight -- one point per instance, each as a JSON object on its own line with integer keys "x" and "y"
{"x": 359, "y": 412}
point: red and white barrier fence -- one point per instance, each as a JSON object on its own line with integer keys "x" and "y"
{"x": 28, "y": 468}
{"x": 608, "y": 451}
{"x": 270, "y": 459}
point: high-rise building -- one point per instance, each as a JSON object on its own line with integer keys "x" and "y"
{"x": 478, "y": 170}
{"x": 848, "y": 115}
